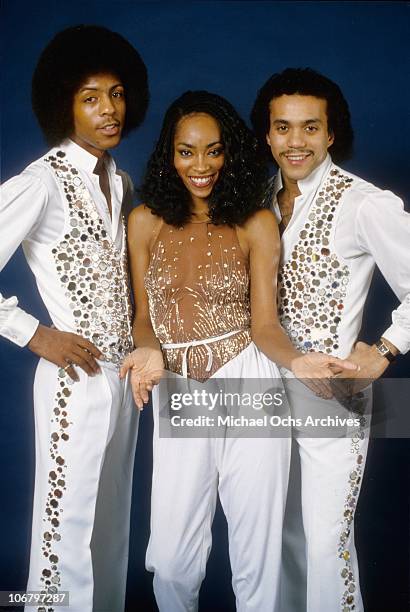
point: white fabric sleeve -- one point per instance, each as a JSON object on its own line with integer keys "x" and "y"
{"x": 23, "y": 201}
{"x": 383, "y": 230}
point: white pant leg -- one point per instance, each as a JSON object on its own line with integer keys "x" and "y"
{"x": 253, "y": 484}
{"x": 183, "y": 499}
{"x": 331, "y": 476}
{"x": 253, "y": 481}
{"x": 110, "y": 539}
{"x": 331, "y": 479}
{"x": 293, "y": 572}
{"x": 74, "y": 424}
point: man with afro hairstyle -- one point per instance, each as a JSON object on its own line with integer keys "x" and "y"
{"x": 335, "y": 227}
{"x": 89, "y": 88}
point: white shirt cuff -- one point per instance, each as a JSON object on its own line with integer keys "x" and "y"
{"x": 19, "y": 327}
{"x": 394, "y": 334}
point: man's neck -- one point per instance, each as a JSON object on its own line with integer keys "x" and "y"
{"x": 289, "y": 192}
{"x": 286, "y": 201}
{"x": 92, "y": 149}
{"x": 286, "y": 197}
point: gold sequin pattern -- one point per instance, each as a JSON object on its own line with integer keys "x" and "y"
{"x": 312, "y": 284}
{"x": 355, "y": 477}
{"x": 198, "y": 287}
{"x": 92, "y": 271}
{"x": 50, "y": 575}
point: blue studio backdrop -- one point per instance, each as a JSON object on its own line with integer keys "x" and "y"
{"x": 229, "y": 48}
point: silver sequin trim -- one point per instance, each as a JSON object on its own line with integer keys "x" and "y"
{"x": 312, "y": 284}
{"x": 92, "y": 270}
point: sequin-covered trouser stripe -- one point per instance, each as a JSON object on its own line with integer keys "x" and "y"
{"x": 350, "y": 581}
{"x": 50, "y": 575}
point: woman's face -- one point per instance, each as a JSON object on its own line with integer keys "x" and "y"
{"x": 198, "y": 154}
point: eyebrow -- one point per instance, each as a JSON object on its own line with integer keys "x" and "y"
{"x": 97, "y": 89}
{"x": 276, "y": 121}
{"x": 189, "y": 146}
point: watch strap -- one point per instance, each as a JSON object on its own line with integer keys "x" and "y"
{"x": 384, "y": 351}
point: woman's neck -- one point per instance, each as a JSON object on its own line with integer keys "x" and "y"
{"x": 200, "y": 210}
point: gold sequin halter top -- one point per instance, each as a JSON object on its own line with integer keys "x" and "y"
{"x": 198, "y": 291}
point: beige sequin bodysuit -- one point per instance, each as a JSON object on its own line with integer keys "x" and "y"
{"x": 198, "y": 290}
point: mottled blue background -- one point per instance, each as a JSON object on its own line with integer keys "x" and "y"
{"x": 229, "y": 48}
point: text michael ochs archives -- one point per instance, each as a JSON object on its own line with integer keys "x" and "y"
{"x": 230, "y": 403}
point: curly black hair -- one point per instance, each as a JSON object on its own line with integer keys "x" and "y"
{"x": 73, "y": 55}
{"x": 306, "y": 82}
{"x": 237, "y": 194}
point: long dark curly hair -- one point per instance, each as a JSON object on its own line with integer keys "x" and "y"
{"x": 73, "y": 55}
{"x": 237, "y": 194}
{"x": 306, "y": 82}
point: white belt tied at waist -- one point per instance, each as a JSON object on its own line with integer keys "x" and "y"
{"x": 205, "y": 343}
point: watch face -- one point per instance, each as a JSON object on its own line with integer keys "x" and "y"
{"x": 383, "y": 348}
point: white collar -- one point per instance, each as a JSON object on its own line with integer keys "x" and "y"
{"x": 84, "y": 160}
{"x": 308, "y": 184}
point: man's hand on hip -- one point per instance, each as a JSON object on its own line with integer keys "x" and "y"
{"x": 66, "y": 350}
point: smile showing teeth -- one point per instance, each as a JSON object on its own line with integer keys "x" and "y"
{"x": 201, "y": 181}
{"x": 296, "y": 157}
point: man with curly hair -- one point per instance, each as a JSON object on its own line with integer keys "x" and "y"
{"x": 89, "y": 88}
{"x": 335, "y": 228}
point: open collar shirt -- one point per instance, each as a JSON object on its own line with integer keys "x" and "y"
{"x": 369, "y": 228}
{"x": 32, "y": 213}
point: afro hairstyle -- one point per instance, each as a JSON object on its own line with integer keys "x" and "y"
{"x": 68, "y": 60}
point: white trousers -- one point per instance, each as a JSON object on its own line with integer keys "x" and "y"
{"x": 85, "y": 443}
{"x": 251, "y": 476}
{"x": 319, "y": 567}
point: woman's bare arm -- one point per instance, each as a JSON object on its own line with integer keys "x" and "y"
{"x": 146, "y": 362}
{"x": 262, "y": 237}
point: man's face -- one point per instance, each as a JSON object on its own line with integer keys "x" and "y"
{"x": 298, "y": 136}
{"x": 99, "y": 113}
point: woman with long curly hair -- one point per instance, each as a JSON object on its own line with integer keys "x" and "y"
{"x": 204, "y": 255}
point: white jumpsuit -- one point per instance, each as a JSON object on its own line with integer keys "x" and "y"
{"x": 85, "y": 432}
{"x": 341, "y": 227}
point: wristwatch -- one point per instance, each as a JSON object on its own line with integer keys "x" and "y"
{"x": 384, "y": 350}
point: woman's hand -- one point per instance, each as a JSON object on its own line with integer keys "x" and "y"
{"x": 147, "y": 368}
{"x": 315, "y": 370}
